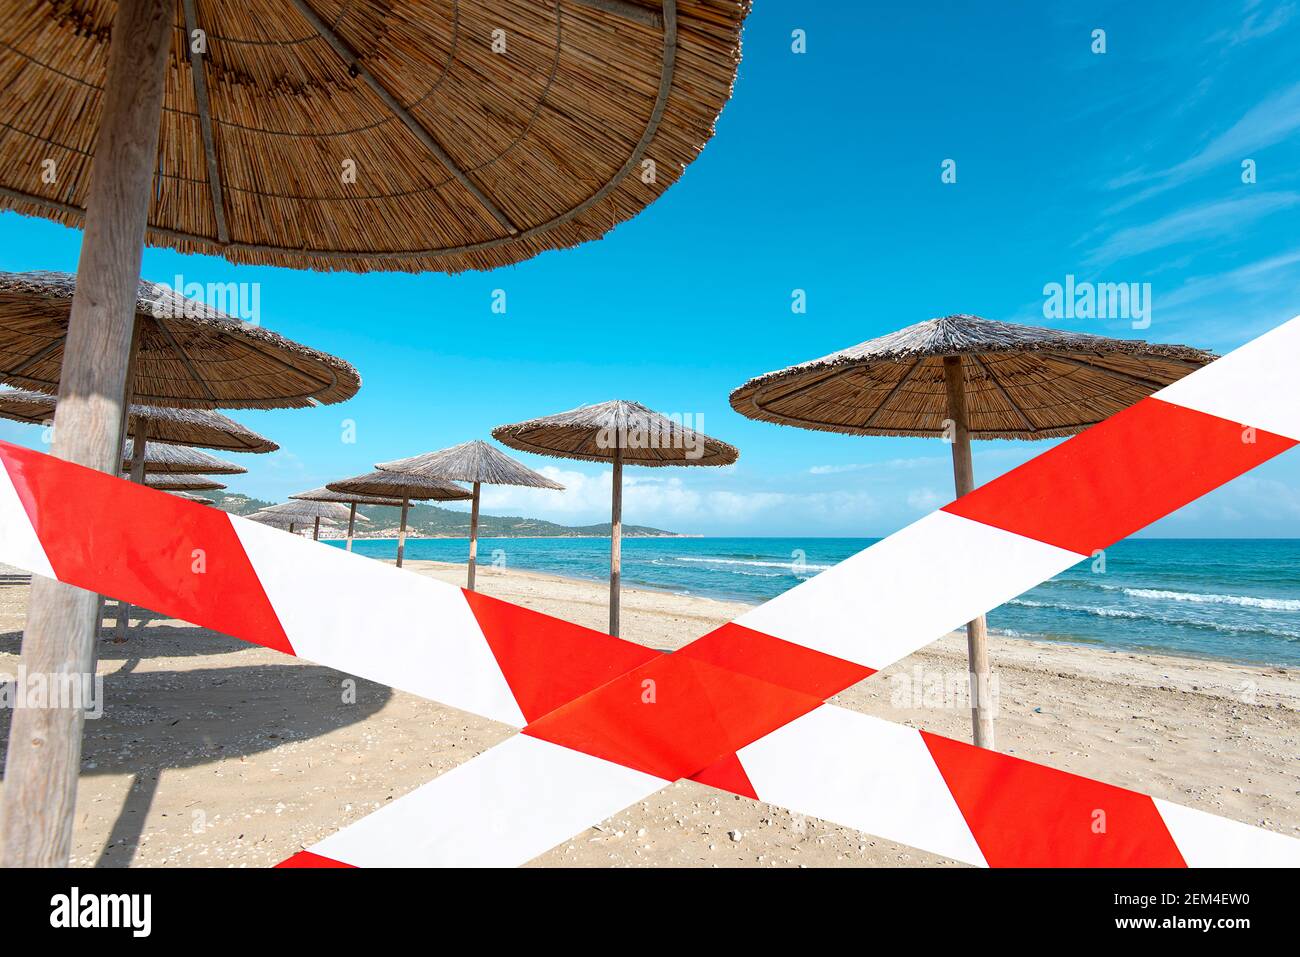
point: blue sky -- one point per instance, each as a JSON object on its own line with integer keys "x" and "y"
{"x": 824, "y": 176}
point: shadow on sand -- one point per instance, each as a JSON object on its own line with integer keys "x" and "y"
{"x": 155, "y": 721}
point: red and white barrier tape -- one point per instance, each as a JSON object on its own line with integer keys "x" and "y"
{"x": 607, "y": 722}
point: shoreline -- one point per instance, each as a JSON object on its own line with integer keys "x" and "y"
{"x": 1007, "y": 635}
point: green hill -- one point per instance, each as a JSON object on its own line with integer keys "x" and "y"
{"x": 430, "y": 521}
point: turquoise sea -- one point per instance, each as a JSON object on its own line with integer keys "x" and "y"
{"x": 1232, "y": 599}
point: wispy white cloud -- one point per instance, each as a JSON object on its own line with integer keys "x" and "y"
{"x": 1271, "y": 121}
{"x": 1195, "y": 223}
{"x": 1259, "y": 23}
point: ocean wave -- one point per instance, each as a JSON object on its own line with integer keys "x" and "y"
{"x": 1083, "y": 609}
{"x": 1246, "y": 601}
{"x": 1219, "y": 626}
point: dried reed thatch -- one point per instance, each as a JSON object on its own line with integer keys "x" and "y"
{"x": 308, "y": 510}
{"x": 1022, "y": 382}
{"x": 290, "y": 522}
{"x": 343, "y": 498}
{"x": 464, "y": 157}
{"x": 396, "y": 485}
{"x": 193, "y": 498}
{"x": 593, "y": 433}
{"x": 164, "y": 482}
{"x": 199, "y": 427}
{"x": 470, "y": 462}
{"x": 189, "y": 354}
{"x": 159, "y": 457}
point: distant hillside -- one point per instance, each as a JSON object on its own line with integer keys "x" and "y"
{"x": 430, "y": 521}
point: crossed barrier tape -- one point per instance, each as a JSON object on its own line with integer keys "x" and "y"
{"x": 606, "y": 723}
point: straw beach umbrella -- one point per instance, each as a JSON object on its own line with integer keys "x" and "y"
{"x": 374, "y": 137}
{"x": 308, "y": 512}
{"x": 962, "y": 378}
{"x": 406, "y": 488}
{"x": 165, "y": 482}
{"x": 623, "y": 433}
{"x": 352, "y": 501}
{"x": 475, "y": 462}
{"x": 289, "y": 523}
{"x": 161, "y": 458}
{"x": 198, "y": 427}
{"x": 186, "y": 354}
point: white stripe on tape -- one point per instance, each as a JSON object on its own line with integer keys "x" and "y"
{"x": 1207, "y": 840}
{"x": 864, "y": 773}
{"x": 18, "y": 542}
{"x": 909, "y": 589}
{"x": 361, "y": 616}
{"x": 1254, "y": 385}
{"x": 500, "y": 809}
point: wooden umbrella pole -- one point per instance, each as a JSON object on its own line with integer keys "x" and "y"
{"x": 44, "y": 753}
{"x": 401, "y": 535}
{"x": 977, "y": 632}
{"x": 473, "y": 536}
{"x": 616, "y": 541}
{"x": 137, "y": 476}
{"x": 352, "y": 521}
{"x": 315, "y": 530}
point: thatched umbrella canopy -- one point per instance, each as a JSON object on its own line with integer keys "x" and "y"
{"x": 622, "y": 433}
{"x": 192, "y": 498}
{"x": 187, "y": 354}
{"x": 962, "y": 378}
{"x": 350, "y": 500}
{"x": 406, "y": 136}
{"x": 407, "y": 488}
{"x": 289, "y": 523}
{"x": 199, "y": 427}
{"x": 1020, "y": 382}
{"x": 465, "y": 155}
{"x": 180, "y": 460}
{"x": 475, "y": 462}
{"x": 309, "y": 511}
{"x": 167, "y": 482}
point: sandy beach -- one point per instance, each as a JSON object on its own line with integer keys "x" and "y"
{"x": 212, "y": 752}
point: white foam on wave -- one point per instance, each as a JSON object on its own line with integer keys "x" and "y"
{"x": 1245, "y": 601}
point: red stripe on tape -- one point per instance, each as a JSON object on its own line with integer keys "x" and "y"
{"x": 775, "y": 660}
{"x": 672, "y": 716}
{"x": 1028, "y": 815}
{"x": 1120, "y": 476}
{"x": 546, "y": 661}
{"x": 308, "y": 859}
{"x": 164, "y": 553}
{"x": 728, "y": 774}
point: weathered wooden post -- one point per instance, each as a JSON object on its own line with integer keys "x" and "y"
{"x": 44, "y": 755}
{"x": 977, "y": 632}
